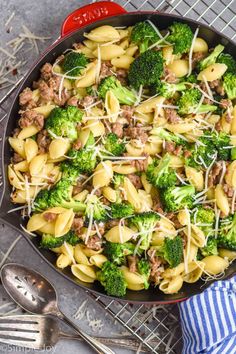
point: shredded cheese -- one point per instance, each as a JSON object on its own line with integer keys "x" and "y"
{"x": 190, "y": 58}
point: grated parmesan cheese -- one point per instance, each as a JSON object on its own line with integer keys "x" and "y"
{"x": 190, "y": 58}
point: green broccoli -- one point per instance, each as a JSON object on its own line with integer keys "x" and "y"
{"x": 221, "y": 141}
{"x": 176, "y": 198}
{"x": 233, "y": 154}
{"x": 191, "y": 79}
{"x": 229, "y": 61}
{"x": 189, "y": 103}
{"x": 111, "y": 83}
{"x": 145, "y": 270}
{"x": 49, "y": 241}
{"x": 62, "y": 122}
{"x": 172, "y": 250}
{"x": 227, "y": 233}
{"x": 73, "y": 63}
{"x": 168, "y": 136}
{"x": 205, "y": 219}
{"x": 201, "y": 154}
{"x": 211, "y": 58}
{"x": 59, "y": 195}
{"x": 229, "y": 84}
{"x": 144, "y": 35}
{"x": 160, "y": 174}
{"x": 84, "y": 160}
{"x": 114, "y": 145}
{"x": 118, "y": 180}
{"x": 144, "y": 223}
{"x": 210, "y": 248}
{"x": 112, "y": 279}
{"x": 181, "y": 37}
{"x": 116, "y": 252}
{"x": 146, "y": 69}
{"x": 121, "y": 210}
{"x": 95, "y": 208}
{"x": 166, "y": 89}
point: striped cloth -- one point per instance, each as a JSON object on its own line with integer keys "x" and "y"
{"x": 209, "y": 320}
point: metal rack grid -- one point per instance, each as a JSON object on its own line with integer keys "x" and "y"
{"x": 157, "y": 327}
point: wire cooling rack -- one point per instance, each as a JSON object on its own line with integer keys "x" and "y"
{"x": 157, "y": 327}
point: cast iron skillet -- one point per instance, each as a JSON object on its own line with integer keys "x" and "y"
{"x": 85, "y": 19}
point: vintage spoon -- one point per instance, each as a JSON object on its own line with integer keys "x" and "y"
{"x": 34, "y": 293}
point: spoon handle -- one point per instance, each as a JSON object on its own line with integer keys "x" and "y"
{"x": 94, "y": 343}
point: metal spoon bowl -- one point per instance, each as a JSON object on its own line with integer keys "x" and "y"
{"x": 35, "y": 294}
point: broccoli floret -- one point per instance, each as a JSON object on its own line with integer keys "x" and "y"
{"x": 68, "y": 171}
{"x": 121, "y": 210}
{"x": 114, "y": 145}
{"x": 181, "y": 36}
{"x": 95, "y": 208}
{"x": 59, "y": 195}
{"x": 229, "y": 84}
{"x": 111, "y": 83}
{"x": 229, "y": 61}
{"x": 166, "y": 89}
{"x": 210, "y": 248}
{"x": 84, "y": 160}
{"x": 91, "y": 91}
{"x": 221, "y": 141}
{"x": 189, "y": 103}
{"x": 146, "y": 69}
{"x": 112, "y": 279}
{"x": 144, "y": 35}
{"x": 205, "y": 219}
{"x": 227, "y": 233}
{"x": 168, "y": 136}
{"x": 172, "y": 250}
{"x": 145, "y": 270}
{"x": 201, "y": 154}
{"x": 160, "y": 174}
{"x": 176, "y": 198}
{"x": 145, "y": 223}
{"x": 233, "y": 154}
{"x": 116, "y": 252}
{"x": 211, "y": 58}
{"x": 118, "y": 180}
{"x": 191, "y": 79}
{"x": 49, "y": 241}
{"x": 73, "y": 63}
{"x": 62, "y": 122}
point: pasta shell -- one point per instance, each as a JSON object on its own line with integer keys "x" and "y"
{"x": 48, "y": 228}
{"x": 124, "y": 169}
{"x": 112, "y": 106}
{"x": 150, "y": 105}
{"x": 132, "y": 194}
{"x": 35, "y": 222}
{"x": 109, "y": 194}
{"x": 63, "y": 222}
{"x": 109, "y": 52}
{"x": 46, "y": 109}
{"x": 28, "y": 132}
{"x": 79, "y": 255}
{"x": 98, "y": 260}
{"x": 14, "y": 179}
{"x": 63, "y": 261}
{"x": 212, "y": 72}
{"x": 20, "y": 196}
{"x": 21, "y": 166}
{"x": 31, "y": 149}
{"x": 58, "y": 148}
{"x": 215, "y": 264}
{"x": 37, "y": 163}
{"x": 84, "y": 272}
{"x": 119, "y": 234}
{"x": 124, "y": 61}
{"x": 96, "y": 127}
{"x": 195, "y": 270}
{"x": 134, "y": 280}
{"x": 179, "y": 67}
{"x": 171, "y": 286}
{"x": 221, "y": 199}
{"x": 102, "y": 34}
{"x": 195, "y": 177}
{"x": 89, "y": 77}
{"x": 18, "y": 146}
{"x": 103, "y": 174}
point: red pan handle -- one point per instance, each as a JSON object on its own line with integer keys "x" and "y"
{"x": 89, "y": 14}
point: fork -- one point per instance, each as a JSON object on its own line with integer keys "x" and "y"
{"x": 40, "y": 332}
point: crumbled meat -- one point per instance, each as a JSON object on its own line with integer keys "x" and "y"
{"x": 94, "y": 243}
{"x": 174, "y": 219}
{"x": 17, "y": 158}
{"x": 132, "y": 262}
{"x": 178, "y": 150}
{"x": 127, "y": 112}
{"x": 48, "y": 216}
{"x": 61, "y": 101}
{"x": 169, "y": 76}
{"x": 229, "y": 191}
{"x": 218, "y": 126}
{"x": 31, "y": 117}
{"x": 43, "y": 141}
{"x": 157, "y": 204}
{"x": 137, "y": 133}
{"x": 54, "y": 83}
{"x": 77, "y": 188}
{"x": 217, "y": 86}
{"x": 187, "y": 153}
{"x": 45, "y": 91}
{"x": 25, "y": 96}
{"x": 214, "y": 173}
{"x": 117, "y": 128}
{"x": 198, "y": 56}
{"x": 136, "y": 180}
{"x": 16, "y": 132}
{"x": 172, "y": 116}
{"x": 225, "y": 103}
{"x": 105, "y": 69}
{"x": 77, "y": 145}
{"x": 112, "y": 223}
{"x": 73, "y": 101}
{"x": 77, "y": 225}
{"x": 169, "y": 146}
{"x": 87, "y": 101}
{"x": 98, "y": 192}
{"x": 77, "y": 45}
{"x": 121, "y": 75}
{"x": 155, "y": 264}
{"x": 46, "y": 71}
{"x": 141, "y": 165}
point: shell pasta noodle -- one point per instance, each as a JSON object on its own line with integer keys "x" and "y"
{"x": 124, "y": 158}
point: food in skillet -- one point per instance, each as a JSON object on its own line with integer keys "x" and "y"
{"x": 125, "y": 158}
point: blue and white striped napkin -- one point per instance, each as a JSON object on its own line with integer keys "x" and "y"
{"x": 209, "y": 320}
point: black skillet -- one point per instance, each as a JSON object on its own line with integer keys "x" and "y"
{"x": 78, "y": 22}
